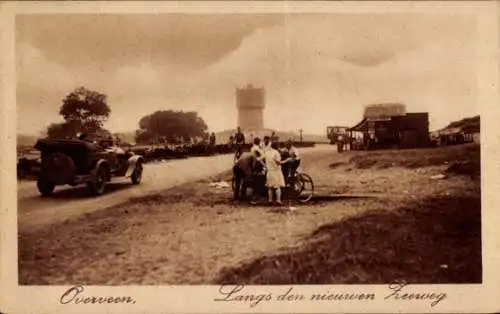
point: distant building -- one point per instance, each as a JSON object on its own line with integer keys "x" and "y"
{"x": 466, "y": 130}
{"x": 334, "y": 132}
{"x": 390, "y": 126}
{"x": 250, "y": 102}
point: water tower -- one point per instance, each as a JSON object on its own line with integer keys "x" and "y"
{"x": 250, "y": 102}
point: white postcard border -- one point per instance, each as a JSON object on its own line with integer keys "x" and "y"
{"x": 199, "y": 299}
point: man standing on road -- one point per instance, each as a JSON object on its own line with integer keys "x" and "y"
{"x": 239, "y": 136}
{"x": 340, "y": 143}
{"x": 212, "y": 143}
{"x": 243, "y": 171}
{"x": 239, "y": 142}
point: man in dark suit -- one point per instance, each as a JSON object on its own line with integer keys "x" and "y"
{"x": 239, "y": 142}
{"x": 246, "y": 173}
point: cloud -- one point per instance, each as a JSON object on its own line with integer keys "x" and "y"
{"x": 113, "y": 40}
{"x": 309, "y": 84}
{"x": 317, "y": 70}
{"x": 40, "y": 88}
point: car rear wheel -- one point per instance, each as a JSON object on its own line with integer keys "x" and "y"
{"x": 137, "y": 174}
{"x": 98, "y": 186}
{"x": 44, "y": 187}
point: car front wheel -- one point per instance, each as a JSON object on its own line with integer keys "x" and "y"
{"x": 98, "y": 186}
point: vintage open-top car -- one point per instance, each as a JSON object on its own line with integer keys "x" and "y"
{"x": 73, "y": 162}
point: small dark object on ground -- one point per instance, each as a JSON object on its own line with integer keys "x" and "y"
{"x": 336, "y": 165}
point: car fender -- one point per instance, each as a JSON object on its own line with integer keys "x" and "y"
{"x": 101, "y": 163}
{"x": 132, "y": 162}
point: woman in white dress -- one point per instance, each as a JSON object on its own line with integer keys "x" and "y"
{"x": 274, "y": 176}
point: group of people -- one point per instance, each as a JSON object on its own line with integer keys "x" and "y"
{"x": 265, "y": 161}
{"x": 109, "y": 145}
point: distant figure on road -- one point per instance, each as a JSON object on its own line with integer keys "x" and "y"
{"x": 340, "y": 144}
{"x": 239, "y": 141}
{"x": 212, "y": 143}
{"x": 370, "y": 141}
{"x": 239, "y": 137}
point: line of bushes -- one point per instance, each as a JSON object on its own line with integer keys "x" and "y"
{"x": 192, "y": 150}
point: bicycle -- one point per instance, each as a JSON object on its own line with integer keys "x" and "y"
{"x": 299, "y": 187}
{"x": 302, "y": 187}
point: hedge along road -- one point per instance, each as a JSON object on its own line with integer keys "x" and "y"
{"x": 65, "y": 203}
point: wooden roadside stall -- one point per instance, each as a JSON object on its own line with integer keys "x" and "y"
{"x": 463, "y": 131}
{"x": 388, "y": 126}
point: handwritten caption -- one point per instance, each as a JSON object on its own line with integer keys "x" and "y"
{"x": 399, "y": 292}
{"x": 240, "y": 293}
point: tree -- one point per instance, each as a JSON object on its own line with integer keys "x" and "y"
{"x": 144, "y": 137}
{"x": 86, "y": 107}
{"x": 171, "y": 125}
{"x": 83, "y": 111}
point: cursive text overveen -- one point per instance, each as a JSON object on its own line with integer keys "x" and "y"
{"x": 75, "y": 295}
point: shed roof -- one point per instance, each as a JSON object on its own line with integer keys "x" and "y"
{"x": 361, "y": 126}
{"x": 384, "y": 111}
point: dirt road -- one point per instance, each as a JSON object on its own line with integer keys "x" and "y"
{"x": 35, "y": 212}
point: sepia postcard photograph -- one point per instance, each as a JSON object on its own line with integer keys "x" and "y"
{"x": 249, "y": 157}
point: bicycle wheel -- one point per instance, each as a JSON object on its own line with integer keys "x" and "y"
{"x": 304, "y": 188}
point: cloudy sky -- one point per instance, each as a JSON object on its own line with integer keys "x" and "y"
{"x": 318, "y": 69}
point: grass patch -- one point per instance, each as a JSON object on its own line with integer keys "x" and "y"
{"x": 437, "y": 240}
{"x": 470, "y": 168}
{"x": 416, "y": 158}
